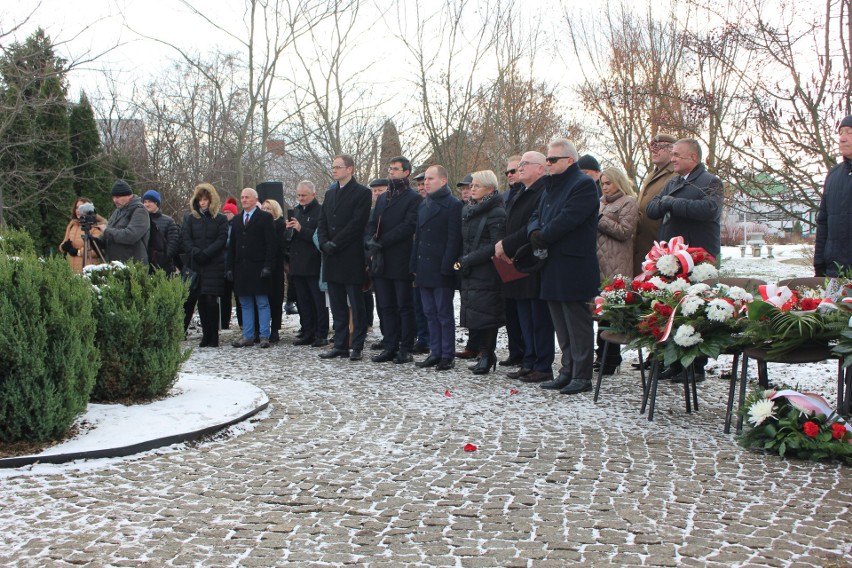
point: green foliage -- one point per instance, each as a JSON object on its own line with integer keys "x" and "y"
{"x": 48, "y": 359}
{"x": 140, "y": 328}
{"x": 781, "y": 332}
{"x": 14, "y": 242}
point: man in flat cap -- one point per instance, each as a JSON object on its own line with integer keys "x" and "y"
{"x": 833, "y": 248}
{"x": 648, "y": 229}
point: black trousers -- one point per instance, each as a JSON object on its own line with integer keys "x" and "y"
{"x": 517, "y": 347}
{"x": 312, "y": 309}
{"x": 396, "y": 313}
{"x": 338, "y": 295}
{"x": 483, "y": 341}
{"x": 225, "y": 306}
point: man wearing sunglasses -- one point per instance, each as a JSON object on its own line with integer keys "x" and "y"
{"x": 566, "y": 224}
{"x": 655, "y": 181}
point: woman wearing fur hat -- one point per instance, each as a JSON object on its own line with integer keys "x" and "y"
{"x": 204, "y": 234}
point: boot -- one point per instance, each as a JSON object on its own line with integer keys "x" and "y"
{"x": 487, "y": 363}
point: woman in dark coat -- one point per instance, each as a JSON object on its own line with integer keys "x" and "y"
{"x": 276, "y": 283}
{"x": 204, "y": 234}
{"x": 483, "y": 226}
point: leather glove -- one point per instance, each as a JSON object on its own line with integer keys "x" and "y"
{"x": 265, "y": 273}
{"x": 68, "y": 248}
{"x": 229, "y": 275}
{"x": 328, "y": 248}
{"x": 666, "y": 202}
{"x": 536, "y": 241}
{"x": 373, "y": 245}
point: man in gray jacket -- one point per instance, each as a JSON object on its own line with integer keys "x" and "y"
{"x": 125, "y": 235}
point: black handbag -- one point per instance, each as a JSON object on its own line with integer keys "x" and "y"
{"x": 190, "y": 277}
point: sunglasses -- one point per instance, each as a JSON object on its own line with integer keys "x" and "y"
{"x": 553, "y": 159}
{"x": 511, "y": 172}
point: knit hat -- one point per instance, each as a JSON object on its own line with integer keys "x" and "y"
{"x": 152, "y": 195}
{"x": 468, "y": 179}
{"x": 120, "y": 188}
{"x": 845, "y": 122}
{"x": 588, "y": 162}
{"x": 229, "y": 207}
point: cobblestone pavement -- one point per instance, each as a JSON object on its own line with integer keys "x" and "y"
{"x": 363, "y": 464}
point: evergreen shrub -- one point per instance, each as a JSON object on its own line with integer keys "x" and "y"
{"x": 15, "y": 242}
{"x": 139, "y": 331}
{"x": 48, "y": 359}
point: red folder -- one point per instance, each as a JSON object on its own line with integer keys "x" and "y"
{"x": 507, "y": 271}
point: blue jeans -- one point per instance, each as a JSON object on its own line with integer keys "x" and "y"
{"x": 264, "y": 314}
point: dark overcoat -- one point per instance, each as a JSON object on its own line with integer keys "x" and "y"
{"x": 437, "y": 241}
{"x": 203, "y": 237}
{"x": 696, "y": 207}
{"x": 343, "y": 219}
{"x": 833, "y": 244}
{"x": 395, "y": 221}
{"x": 518, "y": 213}
{"x": 253, "y": 248}
{"x": 304, "y": 256}
{"x": 567, "y": 217}
{"x": 482, "y": 304}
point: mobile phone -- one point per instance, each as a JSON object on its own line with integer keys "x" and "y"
{"x": 290, "y": 213}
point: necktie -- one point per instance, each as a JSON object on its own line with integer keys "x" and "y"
{"x": 246, "y": 221}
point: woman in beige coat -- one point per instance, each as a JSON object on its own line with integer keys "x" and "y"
{"x": 617, "y": 221}
{"x": 72, "y": 244}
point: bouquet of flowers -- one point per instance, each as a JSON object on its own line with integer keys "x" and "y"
{"x": 623, "y": 302}
{"x": 795, "y": 424}
{"x": 784, "y": 320}
{"x": 674, "y": 260}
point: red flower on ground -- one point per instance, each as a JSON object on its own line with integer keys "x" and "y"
{"x": 470, "y": 448}
{"x": 811, "y": 429}
{"x": 838, "y": 431}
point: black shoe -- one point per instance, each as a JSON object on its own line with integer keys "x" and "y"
{"x": 519, "y": 373}
{"x": 429, "y": 361}
{"x": 512, "y": 361}
{"x": 646, "y": 364}
{"x": 334, "y": 352}
{"x": 377, "y": 346}
{"x": 403, "y": 357}
{"x": 608, "y": 369}
{"x": 445, "y": 365}
{"x": 290, "y": 309}
{"x": 420, "y": 349}
{"x": 319, "y": 342}
{"x": 383, "y": 357}
{"x": 558, "y": 383}
{"x": 356, "y": 355}
{"x": 473, "y": 365}
{"x": 303, "y": 341}
{"x": 577, "y": 386}
{"x": 274, "y": 337}
{"x": 487, "y": 363}
{"x": 671, "y": 373}
{"x": 204, "y": 343}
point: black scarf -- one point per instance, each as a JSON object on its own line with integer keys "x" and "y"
{"x": 397, "y": 186}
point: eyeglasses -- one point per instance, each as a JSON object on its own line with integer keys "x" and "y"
{"x": 522, "y": 164}
{"x": 394, "y": 169}
{"x": 553, "y": 159}
{"x": 338, "y": 167}
{"x": 657, "y": 146}
{"x": 511, "y": 172}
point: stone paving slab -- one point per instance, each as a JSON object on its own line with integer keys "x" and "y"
{"x": 363, "y": 464}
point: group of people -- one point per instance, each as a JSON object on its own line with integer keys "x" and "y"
{"x": 530, "y": 258}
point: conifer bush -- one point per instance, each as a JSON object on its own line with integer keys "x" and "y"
{"x": 139, "y": 331}
{"x": 14, "y": 242}
{"x": 48, "y": 359}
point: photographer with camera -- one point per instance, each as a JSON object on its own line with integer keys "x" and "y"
{"x": 83, "y": 220}
{"x": 125, "y": 236}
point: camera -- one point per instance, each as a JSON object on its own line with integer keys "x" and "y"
{"x": 88, "y": 217}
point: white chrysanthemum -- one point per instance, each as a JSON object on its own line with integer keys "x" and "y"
{"x": 691, "y": 305}
{"x": 737, "y": 294}
{"x": 686, "y": 336}
{"x": 677, "y": 285}
{"x": 668, "y": 265}
{"x": 760, "y": 411}
{"x": 702, "y": 272}
{"x": 696, "y": 289}
{"x": 719, "y": 310}
{"x": 658, "y": 282}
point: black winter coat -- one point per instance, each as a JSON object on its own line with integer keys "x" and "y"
{"x": 834, "y": 222}
{"x": 343, "y": 220}
{"x": 481, "y": 288}
{"x": 171, "y": 234}
{"x": 396, "y": 221}
{"x": 204, "y": 239}
{"x": 304, "y": 256}
{"x": 567, "y": 217}
{"x": 518, "y": 213}
{"x": 253, "y": 248}
{"x": 437, "y": 241}
{"x": 696, "y": 208}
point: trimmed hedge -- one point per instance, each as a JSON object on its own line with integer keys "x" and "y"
{"x": 48, "y": 360}
{"x": 14, "y": 242}
{"x": 139, "y": 331}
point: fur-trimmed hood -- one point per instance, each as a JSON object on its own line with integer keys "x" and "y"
{"x": 215, "y": 203}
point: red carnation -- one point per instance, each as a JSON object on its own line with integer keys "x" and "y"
{"x": 811, "y": 429}
{"x": 810, "y": 303}
{"x": 629, "y": 297}
{"x": 636, "y": 285}
{"x": 608, "y": 288}
{"x": 838, "y": 431}
{"x": 648, "y": 287}
{"x": 618, "y": 284}
{"x": 657, "y": 332}
{"x": 663, "y": 309}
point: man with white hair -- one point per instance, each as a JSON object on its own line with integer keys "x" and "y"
{"x": 564, "y": 227}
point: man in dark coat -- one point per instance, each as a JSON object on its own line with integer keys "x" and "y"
{"x": 515, "y": 336}
{"x": 533, "y": 313}
{"x": 833, "y": 246}
{"x": 125, "y": 236}
{"x": 305, "y": 262}
{"x": 691, "y": 203}
{"x": 250, "y": 262}
{"x": 167, "y": 228}
{"x": 390, "y": 237}
{"x": 437, "y": 245}
{"x": 343, "y": 219}
{"x": 566, "y": 226}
